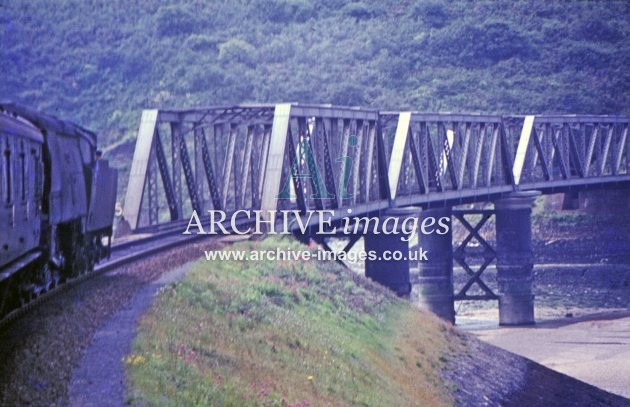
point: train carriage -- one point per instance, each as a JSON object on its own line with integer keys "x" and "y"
{"x": 57, "y": 203}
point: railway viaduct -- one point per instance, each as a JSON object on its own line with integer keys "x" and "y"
{"x": 381, "y": 164}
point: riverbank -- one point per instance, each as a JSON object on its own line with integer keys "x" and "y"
{"x": 594, "y": 349}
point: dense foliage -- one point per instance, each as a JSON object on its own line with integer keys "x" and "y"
{"x": 101, "y": 62}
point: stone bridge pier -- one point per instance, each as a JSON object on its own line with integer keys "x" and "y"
{"x": 515, "y": 258}
{"x": 435, "y": 275}
{"x": 392, "y": 273}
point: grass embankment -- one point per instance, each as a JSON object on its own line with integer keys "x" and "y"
{"x": 286, "y": 333}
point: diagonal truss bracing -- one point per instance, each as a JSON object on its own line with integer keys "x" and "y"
{"x": 463, "y": 254}
{"x": 561, "y": 151}
{"x": 256, "y": 157}
{"x": 448, "y": 157}
{"x": 307, "y": 157}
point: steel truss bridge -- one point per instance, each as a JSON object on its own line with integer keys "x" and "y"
{"x": 307, "y": 158}
{"x": 250, "y": 157}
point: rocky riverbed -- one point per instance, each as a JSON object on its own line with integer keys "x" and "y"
{"x": 582, "y": 300}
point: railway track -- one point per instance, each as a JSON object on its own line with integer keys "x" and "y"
{"x": 124, "y": 252}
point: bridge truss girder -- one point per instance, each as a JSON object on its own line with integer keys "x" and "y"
{"x": 304, "y": 157}
{"x": 243, "y": 158}
{"x": 555, "y": 151}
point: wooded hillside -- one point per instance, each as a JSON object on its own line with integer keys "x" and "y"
{"x": 101, "y": 62}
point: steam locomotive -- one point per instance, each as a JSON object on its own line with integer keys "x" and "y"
{"x": 57, "y": 203}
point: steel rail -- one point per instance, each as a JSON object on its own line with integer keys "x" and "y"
{"x": 123, "y": 253}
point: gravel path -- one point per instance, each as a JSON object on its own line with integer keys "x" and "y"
{"x": 99, "y": 378}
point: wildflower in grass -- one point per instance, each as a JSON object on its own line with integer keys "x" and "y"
{"x": 186, "y": 353}
{"x": 310, "y": 378}
{"x": 134, "y": 359}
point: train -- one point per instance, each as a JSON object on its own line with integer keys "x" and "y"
{"x": 57, "y": 199}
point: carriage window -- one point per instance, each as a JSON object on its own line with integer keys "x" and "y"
{"x": 7, "y": 174}
{"x": 2, "y": 186}
{"x": 22, "y": 175}
{"x": 86, "y": 152}
{"x": 1, "y": 174}
{"x": 37, "y": 179}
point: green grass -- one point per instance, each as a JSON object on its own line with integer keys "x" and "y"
{"x": 285, "y": 333}
{"x": 568, "y": 218}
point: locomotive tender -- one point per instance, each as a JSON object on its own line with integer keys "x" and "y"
{"x": 57, "y": 203}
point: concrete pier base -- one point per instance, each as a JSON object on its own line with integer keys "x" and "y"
{"x": 435, "y": 277}
{"x": 515, "y": 258}
{"x": 392, "y": 273}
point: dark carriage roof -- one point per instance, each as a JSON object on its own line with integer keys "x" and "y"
{"x": 47, "y": 123}
{"x": 17, "y": 125}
